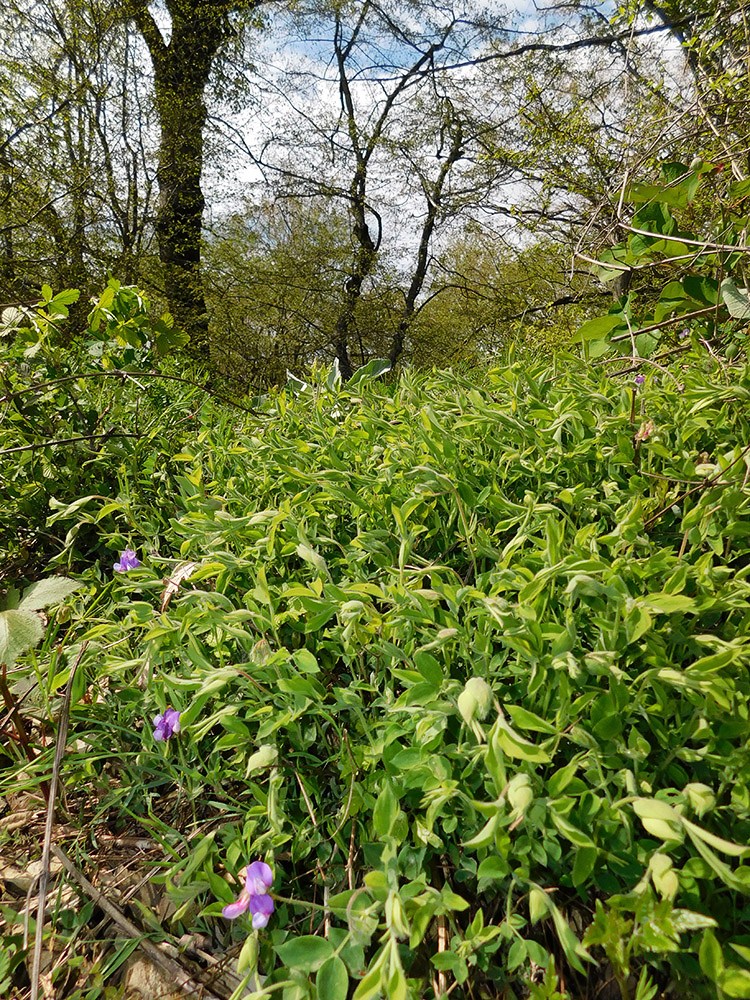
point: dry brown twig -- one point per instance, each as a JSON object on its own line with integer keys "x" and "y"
{"x": 62, "y": 734}
{"x": 171, "y": 967}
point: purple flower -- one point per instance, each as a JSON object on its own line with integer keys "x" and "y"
{"x": 640, "y": 379}
{"x": 128, "y": 560}
{"x": 254, "y": 897}
{"x": 166, "y": 725}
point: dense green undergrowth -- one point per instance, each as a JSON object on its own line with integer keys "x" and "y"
{"x": 466, "y": 662}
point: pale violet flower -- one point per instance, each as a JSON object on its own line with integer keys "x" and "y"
{"x": 166, "y": 725}
{"x": 640, "y": 379}
{"x": 254, "y": 897}
{"x": 128, "y": 560}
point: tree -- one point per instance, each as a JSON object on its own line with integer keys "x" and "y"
{"x": 371, "y": 126}
{"x": 75, "y": 176}
{"x": 182, "y": 67}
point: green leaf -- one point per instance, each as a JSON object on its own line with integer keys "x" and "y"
{"x": 452, "y": 901}
{"x": 486, "y": 835}
{"x": 493, "y": 867}
{"x": 306, "y": 661}
{"x": 737, "y": 300}
{"x": 667, "y": 604}
{"x": 639, "y": 193}
{"x": 263, "y": 758}
{"x": 538, "y": 907}
{"x": 572, "y": 947}
{"x": 429, "y": 668}
{"x": 528, "y": 720}
{"x": 722, "y": 869}
{"x": 600, "y": 326}
{"x": 571, "y": 832}
{"x": 583, "y": 865}
{"x": 726, "y": 846}
{"x": 514, "y": 745}
{"x": 659, "y": 819}
{"x": 735, "y": 982}
{"x": 19, "y": 630}
{"x": 306, "y": 953}
{"x": 67, "y": 296}
{"x": 311, "y": 556}
{"x": 51, "y": 590}
{"x": 368, "y": 372}
{"x": 638, "y": 622}
{"x": 385, "y": 810}
{"x": 332, "y": 980}
{"x": 369, "y": 986}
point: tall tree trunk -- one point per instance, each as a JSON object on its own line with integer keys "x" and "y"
{"x": 181, "y": 71}
{"x": 363, "y": 263}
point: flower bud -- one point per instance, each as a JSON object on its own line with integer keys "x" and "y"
{"x": 700, "y": 797}
{"x": 475, "y": 700}
{"x": 520, "y": 794}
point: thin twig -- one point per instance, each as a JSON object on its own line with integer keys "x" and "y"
{"x": 634, "y": 368}
{"x": 172, "y": 968}
{"x": 665, "y": 322}
{"x": 62, "y": 735}
{"x": 711, "y": 481}
{"x": 705, "y": 244}
{"x": 72, "y": 440}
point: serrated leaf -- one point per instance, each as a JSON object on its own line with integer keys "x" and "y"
{"x": 19, "y": 630}
{"x": 51, "y": 590}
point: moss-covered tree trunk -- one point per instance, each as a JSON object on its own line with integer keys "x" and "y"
{"x": 182, "y": 67}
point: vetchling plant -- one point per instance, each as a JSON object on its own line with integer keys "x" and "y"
{"x": 464, "y": 664}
